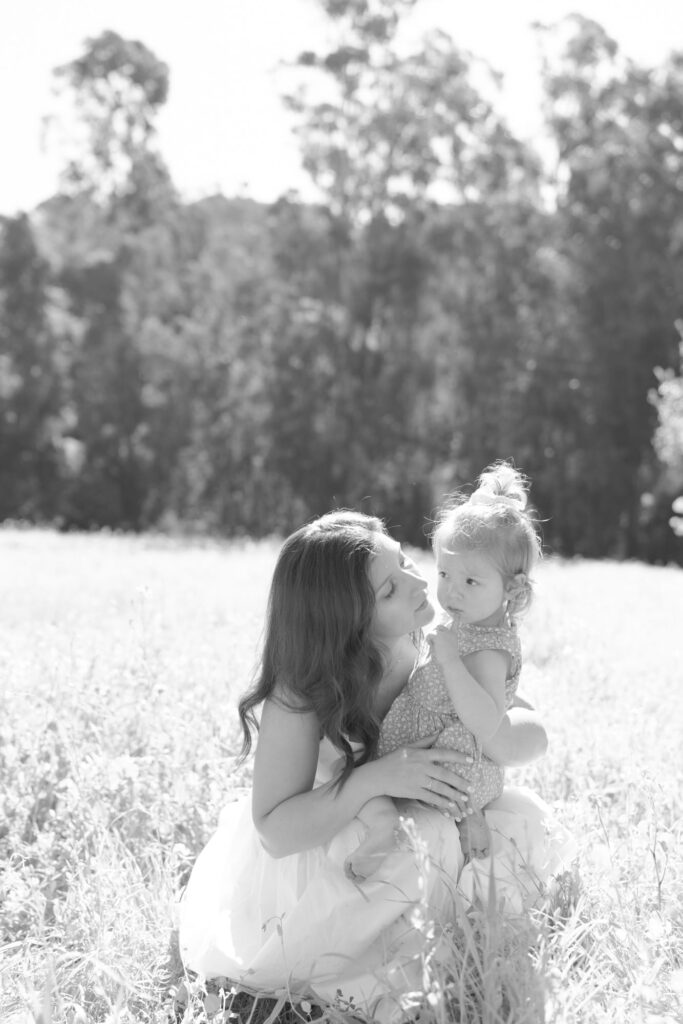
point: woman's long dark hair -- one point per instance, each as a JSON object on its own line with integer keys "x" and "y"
{"x": 318, "y": 653}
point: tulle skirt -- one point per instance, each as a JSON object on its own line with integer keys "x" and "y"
{"x": 298, "y": 925}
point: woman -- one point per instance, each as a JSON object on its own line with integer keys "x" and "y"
{"x": 268, "y": 902}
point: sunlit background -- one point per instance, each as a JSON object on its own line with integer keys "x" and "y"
{"x": 224, "y": 126}
{"x": 214, "y": 326}
{"x": 259, "y": 259}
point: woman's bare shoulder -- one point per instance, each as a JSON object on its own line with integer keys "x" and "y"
{"x": 288, "y": 699}
{"x": 284, "y": 725}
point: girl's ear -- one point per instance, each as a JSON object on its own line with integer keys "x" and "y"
{"x": 516, "y": 584}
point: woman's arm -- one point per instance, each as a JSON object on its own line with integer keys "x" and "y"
{"x": 520, "y": 738}
{"x": 290, "y": 815}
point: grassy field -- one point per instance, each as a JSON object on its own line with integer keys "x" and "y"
{"x": 121, "y": 659}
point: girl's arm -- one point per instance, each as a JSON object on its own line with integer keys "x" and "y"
{"x": 475, "y": 683}
{"x": 290, "y": 815}
{"x": 521, "y": 737}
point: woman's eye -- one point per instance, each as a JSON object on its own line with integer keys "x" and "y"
{"x": 391, "y": 591}
{"x": 471, "y": 582}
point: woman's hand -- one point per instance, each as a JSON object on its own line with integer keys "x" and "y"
{"x": 419, "y": 771}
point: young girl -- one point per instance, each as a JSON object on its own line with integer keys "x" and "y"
{"x": 268, "y": 903}
{"x": 486, "y": 548}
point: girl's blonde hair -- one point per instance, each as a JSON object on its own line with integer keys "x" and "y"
{"x": 496, "y": 520}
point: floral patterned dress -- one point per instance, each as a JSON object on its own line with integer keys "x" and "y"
{"x": 424, "y": 707}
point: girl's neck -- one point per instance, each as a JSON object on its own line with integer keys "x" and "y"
{"x": 499, "y": 618}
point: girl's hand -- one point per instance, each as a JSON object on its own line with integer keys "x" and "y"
{"x": 422, "y": 772}
{"x": 444, "y": 645}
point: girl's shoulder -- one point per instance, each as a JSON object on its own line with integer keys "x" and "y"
{"x": 474, "y": 638}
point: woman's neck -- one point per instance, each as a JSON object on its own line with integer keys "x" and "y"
{"x": 399, "y": 662}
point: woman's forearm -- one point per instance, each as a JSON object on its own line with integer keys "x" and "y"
{"x": 312, "y": 818}
{"x": 521, "y": 738}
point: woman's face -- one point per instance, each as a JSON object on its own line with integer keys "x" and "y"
{"x": 401, "y": 602}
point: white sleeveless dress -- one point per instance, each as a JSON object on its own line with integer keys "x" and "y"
{"x": 298, "y": 925}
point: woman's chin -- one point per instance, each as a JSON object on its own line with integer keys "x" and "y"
{"x": 424, "y": 614}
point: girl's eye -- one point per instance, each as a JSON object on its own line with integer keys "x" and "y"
{"x": 391, "y": 591}
{"x": 442, "y": 574}
{"x": 471, "y": 582}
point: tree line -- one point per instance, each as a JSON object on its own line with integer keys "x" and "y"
{"x": 232, "y": 367}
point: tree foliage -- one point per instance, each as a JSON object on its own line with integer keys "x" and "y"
{"x": 31, "y": 385}
{"x": 396, "y": 129}
{"x": 617, "y": 128}
{"x": 668, "y": 439}
{"x": 116, "y": 88}
{"x": 233, "y": 367}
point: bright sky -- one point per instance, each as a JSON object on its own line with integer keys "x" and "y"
{"x": 224, "y": 127}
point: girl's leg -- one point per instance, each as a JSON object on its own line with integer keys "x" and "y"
{"x": 381, "y": 820}
{"x": 475, "y": 835}
{"x": 528, "y": 848}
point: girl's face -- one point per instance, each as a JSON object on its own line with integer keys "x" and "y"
{"x": 401, "y": 602}
{"x": 470, "y": 587}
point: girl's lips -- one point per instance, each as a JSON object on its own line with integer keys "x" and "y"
{"x": 423, "y": 605}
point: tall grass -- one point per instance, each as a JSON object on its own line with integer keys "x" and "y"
{"x": 121, "y": 659}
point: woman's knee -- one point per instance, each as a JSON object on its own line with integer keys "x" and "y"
{"x": 435, "y": 840}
